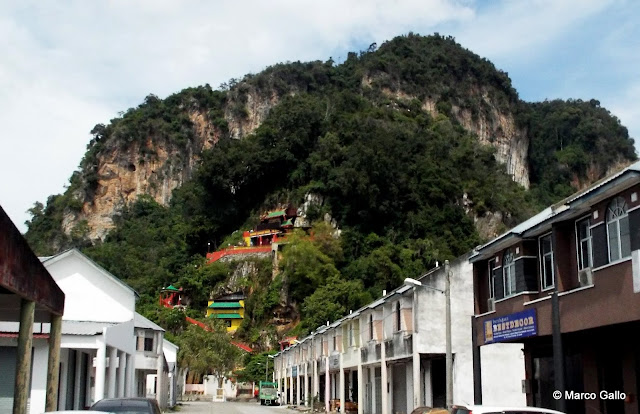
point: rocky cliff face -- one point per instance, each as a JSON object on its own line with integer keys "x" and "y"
{"x": 157, "y": 167}
{"x": 494, "y": 127}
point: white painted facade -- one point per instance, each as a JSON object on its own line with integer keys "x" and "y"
{"x": 155, "y": 375}
{"x": 97, "y": 347}
{"x": 98, "y": 343}
{"x": 389, "y": 356}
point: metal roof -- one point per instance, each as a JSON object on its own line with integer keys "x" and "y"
{"x": 635, "y": 167}
{"x": 86, "y": 328}
{"x": 140, "y": 321}
{"x": 553, "y": 212}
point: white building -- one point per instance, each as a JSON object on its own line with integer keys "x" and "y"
{"x": 98, "y": 341}
{"x": 389, "y": 356}
{"x": 156, "y": 360}
{"x": 171, "y": 356}
{"x": 97, "y": 348}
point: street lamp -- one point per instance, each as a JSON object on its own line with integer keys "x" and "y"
{"x": 267, "y": 369}
{"x": 449, "y": 358}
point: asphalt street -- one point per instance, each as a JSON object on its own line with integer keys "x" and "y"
{"x": 205, "y": 407}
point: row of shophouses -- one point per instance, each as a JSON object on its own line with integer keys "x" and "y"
{"x": 552, "y": 304}
{"x": 70, "y": 336}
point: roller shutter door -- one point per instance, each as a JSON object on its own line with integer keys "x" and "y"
{"x": 7, "y": 378}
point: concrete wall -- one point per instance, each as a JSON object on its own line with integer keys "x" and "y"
{"x": 502, "y": 377}
{"x": 502, "y": 367}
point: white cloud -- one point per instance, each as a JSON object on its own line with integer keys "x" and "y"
{"x": 69, "y": 65}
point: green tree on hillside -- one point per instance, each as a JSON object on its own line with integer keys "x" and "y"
{"x": 208, "y": 352}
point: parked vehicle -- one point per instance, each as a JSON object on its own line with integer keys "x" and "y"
{"x": 127, "y": 406}
{"x": 76, "y": 412}
{"x": 429, "y": 410}
{"x": 268, "y": 393}
{"x": 480, "y": 409}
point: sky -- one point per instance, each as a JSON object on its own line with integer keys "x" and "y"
{"x": 69, "y": 65}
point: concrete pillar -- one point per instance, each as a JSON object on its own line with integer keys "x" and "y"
{"x": 306, "y": 383}
{"x": 130, "y": 377}
{"x": 160, "y": 395}
{"x": 53, "y": 367}
{"x": 327, "y": 385}
{"x": 111, "y": 372}
{"x": 290, "y": 399}
{"x": 278, "y": 374}
{"x": 316, "y": 379}
{"x": 122, "y": 366}
{"x": 360, "y": 389}
{"x": 417, "y": 389}
{"x": 77, "y": 386}
{"x": 23, "y": 359}
{"x": 384, "y": 379}
{"x": 87, "y": 386}
{"x": 341, "y": 394}
{"x": 101, "y": 366}
{"x": 298, "y": 376}
{"x": 428, "y": 388}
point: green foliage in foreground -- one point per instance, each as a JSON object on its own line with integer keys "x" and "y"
{"x": 257, "y": 367}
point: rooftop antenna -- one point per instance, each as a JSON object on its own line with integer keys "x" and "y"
{"x": 384, "y": 292}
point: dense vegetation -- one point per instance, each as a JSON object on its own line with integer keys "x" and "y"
{"x": 403, "y": 185}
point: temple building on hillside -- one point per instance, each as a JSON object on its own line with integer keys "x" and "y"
{"x": 272, "y": 225}
{"x": 272, "y": 229}
{"x": 228, "y": 308}
{"x": 171, "y": 297}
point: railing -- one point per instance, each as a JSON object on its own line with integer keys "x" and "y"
{"x": 400, "y": 345}
{"x": 370, "y": 352}
{"x": 194, "y": 388}
{"x": 215, "y": 256}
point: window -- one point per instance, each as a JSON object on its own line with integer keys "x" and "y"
{"x": 492, "y": 285}
{"x": 583, "y": 236}
{"x": 398, "y": 318}
{"x": 148, "y": 344}
{"x": 509, "y": 274}
{"x": 228, "y": 323}
{"x": 335, "y": 343}
{"x": 546, "y": 262}
{"x": 351, "y": 342}
{"x": 618, "y": 230}
{"x": 371, "y": 327}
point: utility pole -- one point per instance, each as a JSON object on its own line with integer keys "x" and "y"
{"x": 449, "y": 357}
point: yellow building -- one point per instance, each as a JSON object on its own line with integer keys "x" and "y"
{"x": 229, "y": 311}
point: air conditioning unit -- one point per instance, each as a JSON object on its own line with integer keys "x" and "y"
{"x": 491, "y": 304}
{"x": 585, "y": 277}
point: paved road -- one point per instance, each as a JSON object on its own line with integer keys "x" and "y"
{"x": 205, "y": 407}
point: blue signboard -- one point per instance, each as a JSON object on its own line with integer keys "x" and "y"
{"x": 512, "y": 326}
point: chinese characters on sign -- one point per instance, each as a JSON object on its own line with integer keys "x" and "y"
{"x": 513, "y": 326}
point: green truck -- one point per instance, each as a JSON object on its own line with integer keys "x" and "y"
{"x": 268, "y": 393}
